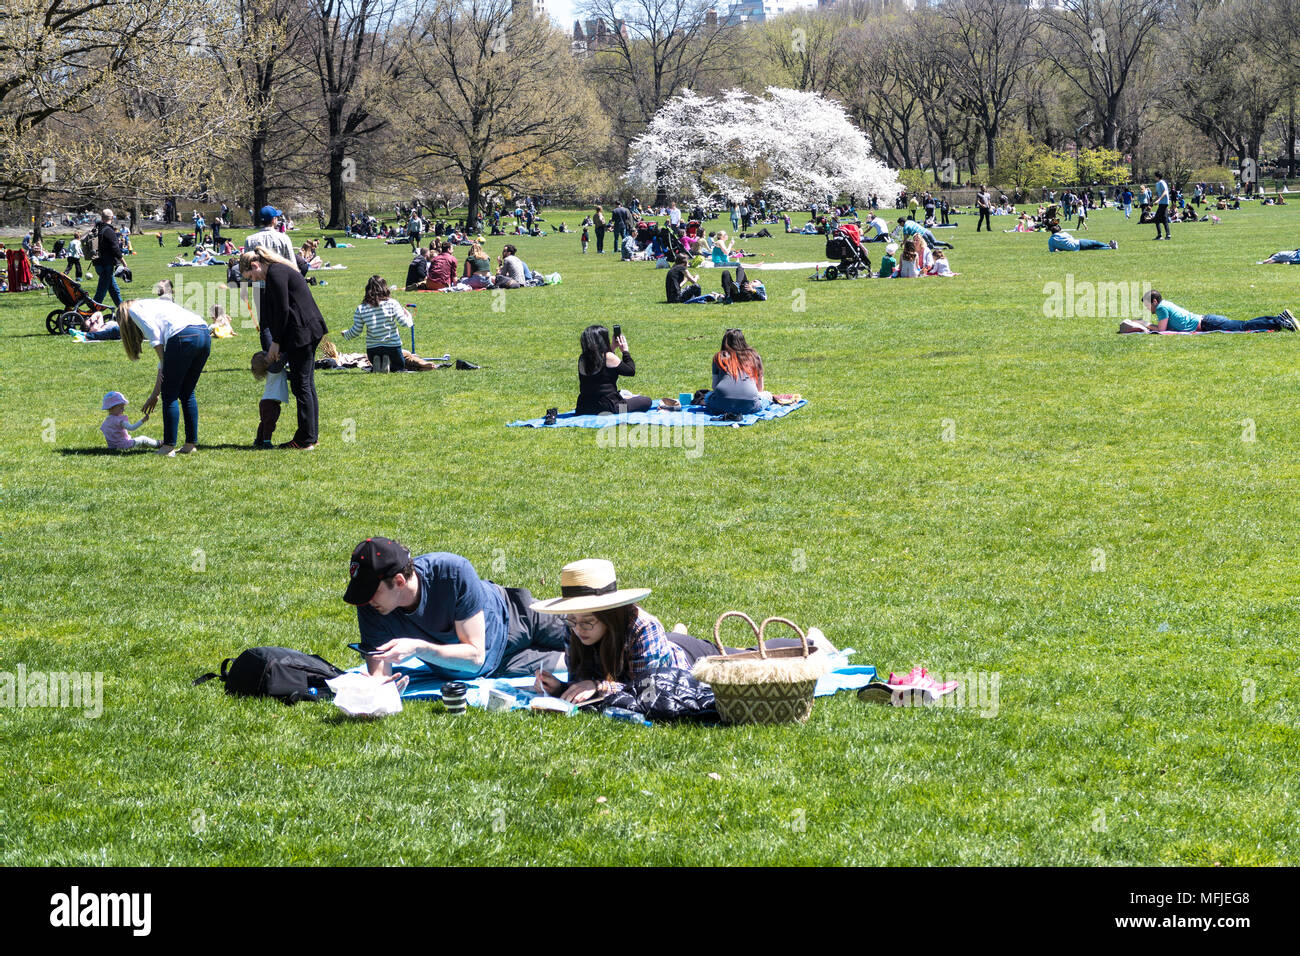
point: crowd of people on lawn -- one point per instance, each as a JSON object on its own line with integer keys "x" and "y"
{"x": 292, "y": 327}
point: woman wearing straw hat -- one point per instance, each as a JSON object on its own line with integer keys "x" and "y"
{"x": 613, "y": 641}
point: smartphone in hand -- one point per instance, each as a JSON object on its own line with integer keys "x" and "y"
{"x": 618, "y": 332}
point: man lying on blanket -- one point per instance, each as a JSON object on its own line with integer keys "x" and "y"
{"x": 435, "y": 607}
{"x": 1174, "y": 318}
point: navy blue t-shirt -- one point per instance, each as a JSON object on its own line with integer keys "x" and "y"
{"x": 450, "y": 591}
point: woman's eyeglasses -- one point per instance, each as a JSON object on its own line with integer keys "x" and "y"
{"x": 583, "y": 625}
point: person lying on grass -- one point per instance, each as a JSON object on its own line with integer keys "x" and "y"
{"x": 911, "y": 228}
{"x": 1174, "y": 318}
{"x": 436, "y": 607}
{"x": 612, "y": 642}
{"x": 1062, "y": 241}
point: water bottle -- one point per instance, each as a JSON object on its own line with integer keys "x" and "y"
{"x": 625, "y": 715}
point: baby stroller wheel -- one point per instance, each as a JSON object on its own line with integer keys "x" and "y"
{"x": 851, "y": 272}
{"x": 831, "y": 272}
{"x": 54, "y": 322}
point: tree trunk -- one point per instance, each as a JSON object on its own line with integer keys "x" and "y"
{"x": 473, "y": 188}
{"x": 36, "y": 222}
{"x": 338, "y": 191}
{"x": 257, "y": 165}
{"x": 1290, "y": 139}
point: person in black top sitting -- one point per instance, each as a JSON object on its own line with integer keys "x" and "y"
{"x": 680, "y": 285}
{"x": 598, "y": 372}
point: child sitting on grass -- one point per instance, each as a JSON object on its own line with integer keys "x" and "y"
{"x": 117, "y": 427}
{"x": 888, "y": 262}
{"x": 274, "y": 395}
{"x": 220, "y": 326}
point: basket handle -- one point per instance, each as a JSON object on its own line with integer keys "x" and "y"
{"x": 781, "y": 620}
{"x": 717, "y": 629}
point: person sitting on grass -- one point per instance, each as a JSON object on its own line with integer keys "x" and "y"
{"x": 737, "y": 378}
{"x": 941, "y": 266}
{"x": 598, "y": 372}
{"x": 442, "y": 269}
{"x": 887, "y": 262}
{"x": 417, "y": 271}
{"x": 680, "y": 284}
{"x": 117, "y": 427}
{"x": 1061, "y": 241}
{"x": 723, "y": 250}
{"x": 379, "y": 314}
{"x": 1174, "y": 318}
{"x": 478, "y": 268}
{"x": 510, "y": 272}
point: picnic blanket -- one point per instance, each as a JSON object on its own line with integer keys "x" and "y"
{"x": 790, "y": 266}
{"x": 424, "y": 684}
{"x": 689, "y": 415}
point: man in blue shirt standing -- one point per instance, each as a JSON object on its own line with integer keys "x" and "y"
{"x": 436, "y": 607}
{"x": 1162, "y": 206}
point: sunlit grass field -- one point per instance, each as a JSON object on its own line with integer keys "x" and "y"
{"x": 1106, "y": 523}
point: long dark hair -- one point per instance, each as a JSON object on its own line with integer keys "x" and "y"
{"x": 595, "y": 346}
{"x": 736, "y": 356}
{"x": 604, "y": 660}
{"x": 377, "y": 290}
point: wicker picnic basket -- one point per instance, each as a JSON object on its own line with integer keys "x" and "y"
{"x": 761, "y": 686}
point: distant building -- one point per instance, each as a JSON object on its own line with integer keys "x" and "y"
{"x": 745, "y": 11}
{"x": 593, "y": 34}
{"x": 528, "y": 8}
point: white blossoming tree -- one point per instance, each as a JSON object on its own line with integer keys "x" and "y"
{"x": 794, "y": 147}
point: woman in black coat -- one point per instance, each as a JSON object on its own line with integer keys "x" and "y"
{"x": 288, "y": 312}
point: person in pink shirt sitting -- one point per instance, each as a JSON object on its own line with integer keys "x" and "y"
{"x": 117, "y": 427}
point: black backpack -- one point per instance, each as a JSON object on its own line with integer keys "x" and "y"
{"x": 277, "y": 672}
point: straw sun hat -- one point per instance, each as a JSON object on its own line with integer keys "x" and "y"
{"x": 589, "y": 585}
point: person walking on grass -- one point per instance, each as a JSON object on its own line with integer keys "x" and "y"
{"x": 107, "y": 254}
{"x": 984, "y": 203}
{"x": 1162, "y": 206}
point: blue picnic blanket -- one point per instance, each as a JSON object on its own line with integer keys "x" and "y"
{"x": 425, "y": 684}
{"x": 689, "y": 415}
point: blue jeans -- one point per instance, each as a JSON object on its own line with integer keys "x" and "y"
{"x": 184, "y": 356}
{"x": 1265, "y": 323}
{"x": 1093, "y": 244}
{"x": 107, "y": 283}
{"x": 110, "y": 332}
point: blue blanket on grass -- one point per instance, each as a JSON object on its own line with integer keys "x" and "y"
{"x": 689, "y": 415}
{"x": 424, "y": 684}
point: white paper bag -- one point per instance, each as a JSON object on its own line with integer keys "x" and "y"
{"x": 360, "y": 695}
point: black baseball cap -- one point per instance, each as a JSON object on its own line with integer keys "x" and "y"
{"x": 373, "y": 560}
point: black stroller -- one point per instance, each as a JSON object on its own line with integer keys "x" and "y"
{"x": 77, "y": 305}
{"x": 845, "y": 244}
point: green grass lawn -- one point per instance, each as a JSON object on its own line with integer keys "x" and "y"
{"x": 974, "y": 487}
